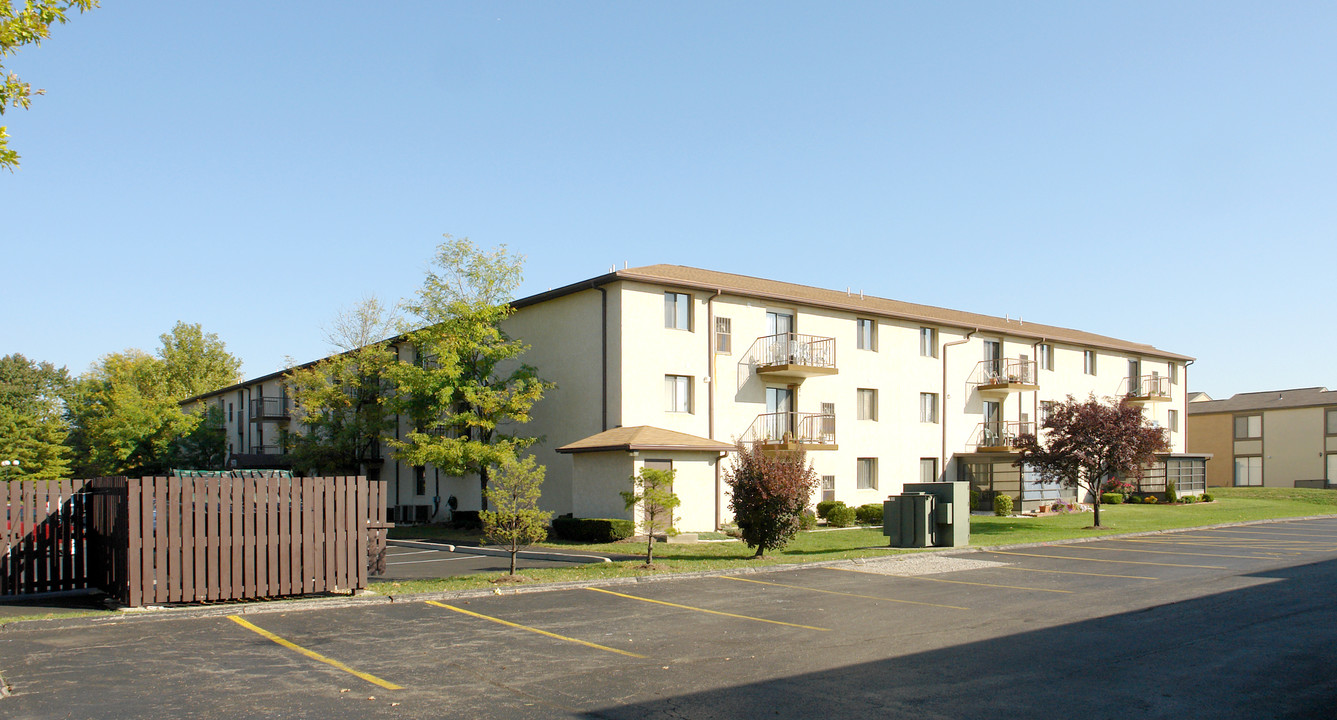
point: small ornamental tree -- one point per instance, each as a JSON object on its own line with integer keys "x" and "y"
{"x": 515, "y": 521}
{"x": 653, "y": 490}
{"x": 768, "y": 495}
{"x": 1087, "y": 442}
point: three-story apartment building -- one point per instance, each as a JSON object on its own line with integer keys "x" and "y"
{"x": 670, "y": 366}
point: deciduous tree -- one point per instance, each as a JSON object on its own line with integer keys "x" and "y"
{"x": 343, "y": 401}
{"x": 1084, "y": 443}
{"x": 28, "y": 24}
{"x": 467, "y": 392}
{"x": 652, "y": 490}
{"x": 769, "y": 494}
{"x": 515, "y": 521}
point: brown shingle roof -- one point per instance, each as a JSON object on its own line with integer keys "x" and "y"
{"x": 1266, "y": 400}
{"x": 711, "y": 280}
{"x": 644, "y": 437}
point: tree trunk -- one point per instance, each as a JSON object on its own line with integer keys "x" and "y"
{"x": 1097, "y": 506}
{"x": 513, "y": 554}
{"x": 482, "y": 488}
{"x": 760, "y": 550}
{"x": 650, "y": 547}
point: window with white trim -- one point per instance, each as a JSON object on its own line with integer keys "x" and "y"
{"x": 867, "y": 475}
{"x": 1046, "y": 356}
{"x": 928, "y": 469}
{"x": 867, "y": 404}
{"x": 928, "y": 342}
{"x": 723, "y": 336}
{"x": 678, "y": 393}
{"x": 1248, "y": 471}
{"x": 867, "y": 334}
{"x": 677, "y": 311}
{"x": 928, "y": 407}
{"x": 1089, "y": 362}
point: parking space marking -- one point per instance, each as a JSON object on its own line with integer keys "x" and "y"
{"x": 545, "y": 633}
{"x": 313, "y": 654}
{"x": 837, "y": 592}
{"x": 1124, "y": 562}
{"x": 1230, "y": 544}
{"x": 1074, "y": 572}
{"x": 953, "y": 582}
{"x": 712, "y": 612}
{"x": 1076, "y": 546}
{"x": 1241, "y": 531}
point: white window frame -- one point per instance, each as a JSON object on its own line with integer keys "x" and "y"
{"x": 723, "y": 335}
{"x": 865, "y": 333}
{"x": 1089, "y": 362}
{"x": 1173, "y": 421}
{"x": 928, "y": 342}
{"x": 1253, "y": 471}
{"x": 678, "y": 394}
{"x": 928, "y": 407}
{"x": 865, "y": 474}
{"x": 928, "y": 469}
{"x": 866, "y": 404}
{"x": 1046, "y": 356}
{"x": 677, "y": 309}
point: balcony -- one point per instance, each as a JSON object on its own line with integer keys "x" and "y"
{"x": 791, "y": 431}
{"x": 1005, "y": 375}
{"x": 269, "y": 409}
{"x": 1147, "y": 389}
{"x": 794, "y": 356}
{"x": 1000, "y": 436}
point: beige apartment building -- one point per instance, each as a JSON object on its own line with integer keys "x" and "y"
{"x": 668, "y": 366}
{"x": 1275, "y": 438}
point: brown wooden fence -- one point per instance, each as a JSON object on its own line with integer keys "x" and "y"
{"x": 193, "y": 539}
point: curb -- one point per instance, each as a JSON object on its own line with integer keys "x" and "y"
{"x": 329, "y": 603}
{"x": 527, "y": 554}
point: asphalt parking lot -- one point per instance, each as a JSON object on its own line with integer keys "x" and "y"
{"x": 410, "y": 560}
{"x": 1233, "y": 622}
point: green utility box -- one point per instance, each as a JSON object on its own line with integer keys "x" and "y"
{"x": 908, "y": 519}
{"x": 952, "y": 511}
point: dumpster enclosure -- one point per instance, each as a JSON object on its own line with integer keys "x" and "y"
{"x": 192, "y": 539}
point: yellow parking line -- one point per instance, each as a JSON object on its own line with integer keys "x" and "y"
{"x": 712, "y": 612}
{"x": 1074, "y": 572}
{"x": 1122, "y": 562}
{"x": 313, "y": 655}
{"x": 1241, "y": 531}
{"x": 1226, "y": 544}
{"x": 837, "y": 592}
{"x": 545, "y": 633}
{"x": 953, "y": 582}
{"x": 1163, "y": 552}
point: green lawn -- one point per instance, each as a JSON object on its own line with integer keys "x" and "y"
{"x": 1232, "y": 505}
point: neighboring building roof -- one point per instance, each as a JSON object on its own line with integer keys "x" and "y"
{"x": 1266, "y": 400}
{"x": 644, "y": 437}
{"x": 695, "y": 278}
{"x": 1199, "y": 397}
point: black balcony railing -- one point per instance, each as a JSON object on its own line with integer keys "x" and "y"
{"x": 270, "y": 408}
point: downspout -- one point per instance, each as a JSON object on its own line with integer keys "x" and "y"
{"x": 603, "y": 337}
{"x": 942, "y": 408}
{"x": 710, "y": 395}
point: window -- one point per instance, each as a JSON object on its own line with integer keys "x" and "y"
{"x": 1248, "y": 471}
{"x": 867, "y": 474}
{"x": 1046, "y": 356}
{"x": 867, "y": 334}
{"x": 723, "y": 336}
{"x": 1174, "y": 421}
{"x": 867, "y": 404}
{"x": 928, "y": 407}
{"x": 419, "y": 480}
{"x": 1248, "y": 427}
{"x": 928, "y": 342}
{"x": 1189, "y": 475}
{"x": 1089, "y": 362}
{"x": 828, "y": 488}
{"x": 229, "y": 413}
{"x": 1174, "y": 373}
{"x": 677, "y": 393}
{"x": 928, "y": 470}
{"x": 1332, "y": 421}
{"x": 677, "y": 311}
{"x": 1046, "y": 410}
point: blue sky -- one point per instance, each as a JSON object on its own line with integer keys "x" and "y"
{"x": 1159, "y": 172}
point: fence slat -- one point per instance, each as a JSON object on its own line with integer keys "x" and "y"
{"x": 329, "y": 550}
{"x": 272, "y": 530}
{"x": 360, "y": 520}
{"x": 309, "y": 504}
{"x": 161, "y": 546}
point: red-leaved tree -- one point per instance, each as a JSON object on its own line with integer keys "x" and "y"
{"x": 768, "y": 495}
{"x": 1087, "y": 442}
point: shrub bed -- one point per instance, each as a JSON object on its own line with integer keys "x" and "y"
{"x": 840, "y": 516}
{"x": 869, "y": 514}
{"x": 825, "y": 506}
{"x": 1111, "y": 498}
{"x": 592, "y": 530}
{"x": 1002, "y": 505}
{"x": 466, "y": 519}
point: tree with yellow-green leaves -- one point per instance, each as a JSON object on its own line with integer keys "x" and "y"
{"x": 26, "y": 24}
{"x": 32, "y": 429}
